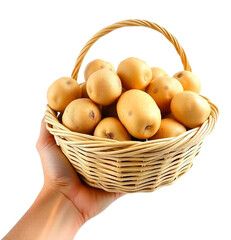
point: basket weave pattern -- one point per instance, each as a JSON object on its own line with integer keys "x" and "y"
{"x": 130, "y": 166}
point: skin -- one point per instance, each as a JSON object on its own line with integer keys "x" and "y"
{"x": 112, "y": 128}
{"x": 81, "y": 115}
{"x": 64, "y": 203}
{"x": 157, "y": 72}
{"x": 104, "y": 87}
{"x": 61, "y": 92}
{"x": 190, "y": 109}
{"x": 169, "y": 128}
{"x": 139, "y": 113}
{"x": 96, "y": 65}
{"x": 189, "y": 81}
{"x": 134, "y": 73}
{"x": 162, "y": 90}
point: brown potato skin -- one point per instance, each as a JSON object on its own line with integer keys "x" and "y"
{"x": 169, "y": 128}
{"x": 83, "y": 87}
{"x": 162, "y": 90}
{"x": 139, "y": 113}
{"x": 134, "y": 73}
{"x": 81, "y": 115}
{"x": 112, "y": 128}
{"x": 190, "y": 109}
{"x": 189, "y": 81}
{"x": 96, "y": 65}
{"x": 104, "y": 87}
{"x": 157, "y": 72}
{"x": 61, "y": 92}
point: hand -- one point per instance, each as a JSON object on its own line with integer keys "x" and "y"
{"x": 64, "y": 203}
{"x": 61, "y": 177}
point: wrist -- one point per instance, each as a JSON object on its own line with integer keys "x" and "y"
{"x": 64, "y": 205}
{"x": 51, "y": 216}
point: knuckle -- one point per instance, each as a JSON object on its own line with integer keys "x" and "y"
{"x": 38, "y": 145}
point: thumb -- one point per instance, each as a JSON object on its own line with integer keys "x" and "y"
{"x": 45, "y": 139}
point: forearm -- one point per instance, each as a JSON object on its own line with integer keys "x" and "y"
{"x": 52, "y": 216}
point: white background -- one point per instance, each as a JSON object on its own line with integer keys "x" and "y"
{"x": 40, "y": 41}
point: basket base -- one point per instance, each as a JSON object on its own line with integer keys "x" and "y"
{"x": 132, "y": 188}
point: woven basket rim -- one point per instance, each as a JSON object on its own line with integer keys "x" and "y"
{"x": 51, "y": 120}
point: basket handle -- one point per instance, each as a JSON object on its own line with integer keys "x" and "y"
{"x": 126, "y": 23}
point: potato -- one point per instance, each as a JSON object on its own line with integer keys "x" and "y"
{"x": 169, "y": 128}
{"x": 104, "y": 87}
{"x": 96, "y": 65}
{"x": 134, "y": 73}
{"x": 139, "y": 113}
{"x": 62, "y": 92}
{"x": 112, "y": 128}
{"x": 81, "y": 115}
{"x": 189, "y": 81}
{"x": 157, "y": 72}
{"x": 84, "y": 90}
{"x": 162, "y": 90}
{"x": 190, "y": 109}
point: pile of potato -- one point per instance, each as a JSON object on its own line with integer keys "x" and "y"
{"x": 134, "y": 102}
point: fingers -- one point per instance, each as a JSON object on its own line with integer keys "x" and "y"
{"x": 45, "y": 138}
{"x": 56, "y": 167}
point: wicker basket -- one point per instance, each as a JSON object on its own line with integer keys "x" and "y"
{"x": 130, "y": 166}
